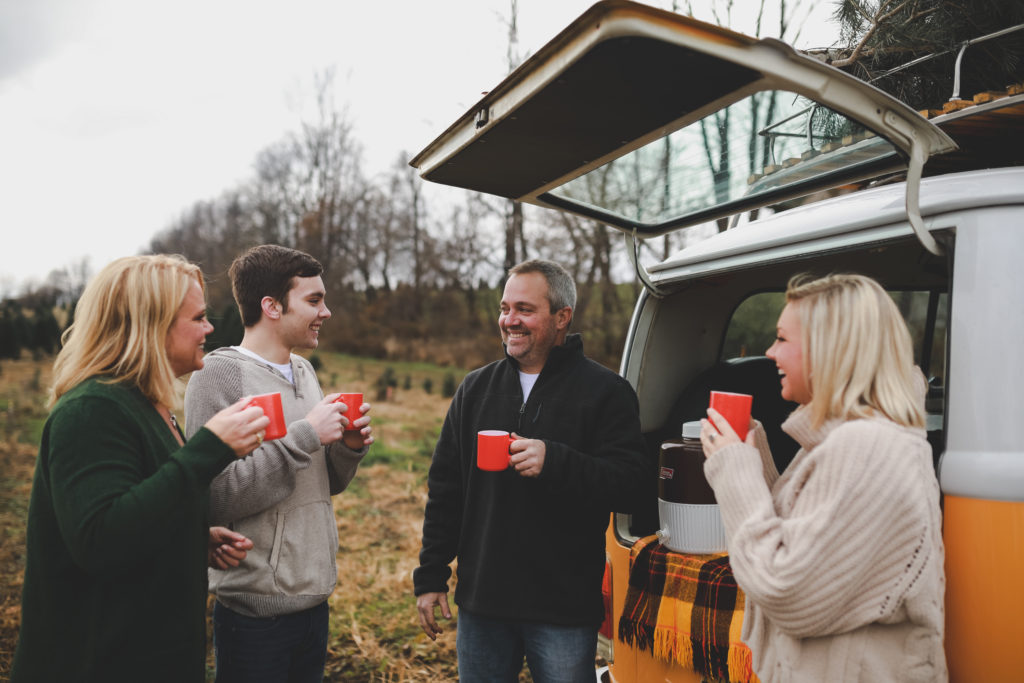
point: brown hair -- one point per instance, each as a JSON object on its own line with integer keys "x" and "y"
{"x": 267, "y": 270}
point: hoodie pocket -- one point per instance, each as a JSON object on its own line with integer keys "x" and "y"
{"x": 303, "y": 554}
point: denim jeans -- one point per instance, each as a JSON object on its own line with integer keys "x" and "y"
{"x": 291, "y": 648}
{"x": 492, "y": 650}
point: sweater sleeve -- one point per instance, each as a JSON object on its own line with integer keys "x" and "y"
{"x": 342, "y": 463}
{"x": 261, "y": 479}
{"x": 771, "y": 472}
{"x": 857, "y": 520}
{"x": 442, "y": 519}
{"x": 114, "y": 515}
{"x": 612, "y": 474}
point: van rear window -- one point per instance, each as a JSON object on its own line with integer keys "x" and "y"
{"x": 769, "y": 141}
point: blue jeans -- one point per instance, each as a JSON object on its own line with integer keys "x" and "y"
{"x": 492, "y": 650}
{"x": 291, "y": 648}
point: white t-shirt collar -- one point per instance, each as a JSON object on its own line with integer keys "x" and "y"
{"x": 526, "y": 380}
{"x": 285, "y": 369}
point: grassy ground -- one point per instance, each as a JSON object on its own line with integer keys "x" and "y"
{"x": 375, "y": 635}
{"x": 22, "y": 412}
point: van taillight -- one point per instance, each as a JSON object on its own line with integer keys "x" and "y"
{"x": 606, "y": 593}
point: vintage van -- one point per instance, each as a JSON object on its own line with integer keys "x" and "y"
{"x": 618, "y": 119}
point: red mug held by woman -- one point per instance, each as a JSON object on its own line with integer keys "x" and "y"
{"x": 735, "y": 408}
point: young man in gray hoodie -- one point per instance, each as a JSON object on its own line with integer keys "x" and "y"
{"x": 270, "y": 619}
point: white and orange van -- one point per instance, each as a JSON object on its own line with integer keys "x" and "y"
{"x": 652, "y": 122}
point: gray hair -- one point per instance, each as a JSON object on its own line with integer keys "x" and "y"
{"x": 561, "y": 287}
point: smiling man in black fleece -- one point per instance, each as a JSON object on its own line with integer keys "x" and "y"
{"x": 530, "y": 539}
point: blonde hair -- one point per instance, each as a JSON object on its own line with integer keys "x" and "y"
{"x": 858, "y": 356}
{"x": 121, "y": 325}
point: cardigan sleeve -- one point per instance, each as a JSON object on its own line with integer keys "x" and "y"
{"x": 835, "y": 556}
{"x": 113, "y": 513}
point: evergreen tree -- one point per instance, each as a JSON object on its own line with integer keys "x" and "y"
{"x": 45, "y": 331}
{"x": 71, "y": 314}
{"x": 881, "y": 35}
{"x": 227, "y": 328}
{"x": 9, "y": 345}
{"x": 22, "y": 330}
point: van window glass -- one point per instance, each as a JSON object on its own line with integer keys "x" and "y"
{"x": 752, "y": 327}
{"x": 929, "y": 339}
{"x": 766, "y": 141}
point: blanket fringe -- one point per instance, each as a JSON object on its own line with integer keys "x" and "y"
{"x": 672, "y": 646}
{"x": 741, "y": 665}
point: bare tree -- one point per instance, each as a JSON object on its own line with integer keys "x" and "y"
{"x": 276, "y": 214}
{"x": 331, "y": 184}
{"x": 372, "y": 239}
{"x": 406, "y": 227}
{"x": 462, "y": 248}
{"x": 718, "y": 130}
{"x": 68, "y": 282}
{"x": 515, "y": 240}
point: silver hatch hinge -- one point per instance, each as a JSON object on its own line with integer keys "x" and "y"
{"x": 633, "y": 248}
{"x": 918, "y": 156}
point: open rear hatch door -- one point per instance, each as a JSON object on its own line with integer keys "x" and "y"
{"x": 650, "y": 121}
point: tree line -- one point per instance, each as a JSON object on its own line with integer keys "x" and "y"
{"x": 416, "y": 273}
{"x": 35, "y": 330}
{"x": 410, "y": 274}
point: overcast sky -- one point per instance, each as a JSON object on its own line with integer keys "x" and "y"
{"x": 117, "y": 115}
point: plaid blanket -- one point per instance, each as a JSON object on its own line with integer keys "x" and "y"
{"x": 687, "y": 609}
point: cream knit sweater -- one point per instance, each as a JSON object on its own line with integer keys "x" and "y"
{"x": 841, "y": 557}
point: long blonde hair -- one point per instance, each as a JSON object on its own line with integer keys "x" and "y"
{"x": 858, "y": 356}
{"x": 121, "y": 325}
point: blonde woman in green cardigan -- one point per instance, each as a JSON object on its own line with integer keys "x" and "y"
{"x": 118, "y": 543}
{"x": 841, "y": 556}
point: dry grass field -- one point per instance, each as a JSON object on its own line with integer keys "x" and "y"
{"x": 375, "y": 635}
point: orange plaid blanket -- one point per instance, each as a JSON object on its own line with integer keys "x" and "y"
{"x": 687, "y": 609}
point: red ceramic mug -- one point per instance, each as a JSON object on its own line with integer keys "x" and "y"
{"x": 493, "y": 448}
{"x": 352, "y": 402}
{"x": 271, "y": 405}
{"x": 735, "y": 408}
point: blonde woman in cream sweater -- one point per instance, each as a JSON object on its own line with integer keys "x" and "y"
{"x": 841, "y": 556}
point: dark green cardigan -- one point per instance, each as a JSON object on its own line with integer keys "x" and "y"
{"x": 115, "y": 578}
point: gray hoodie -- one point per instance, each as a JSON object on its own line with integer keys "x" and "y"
{"x": 279, "y": 495}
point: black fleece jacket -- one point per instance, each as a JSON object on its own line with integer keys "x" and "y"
{"x": 532, "y": 549}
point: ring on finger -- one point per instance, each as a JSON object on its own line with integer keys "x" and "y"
{"x": 259, "y": 439}
{"x": 711, "y": 438}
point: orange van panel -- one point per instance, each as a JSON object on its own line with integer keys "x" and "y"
{"x": 631, "y": 665}
{"x": 984, "y": 542}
